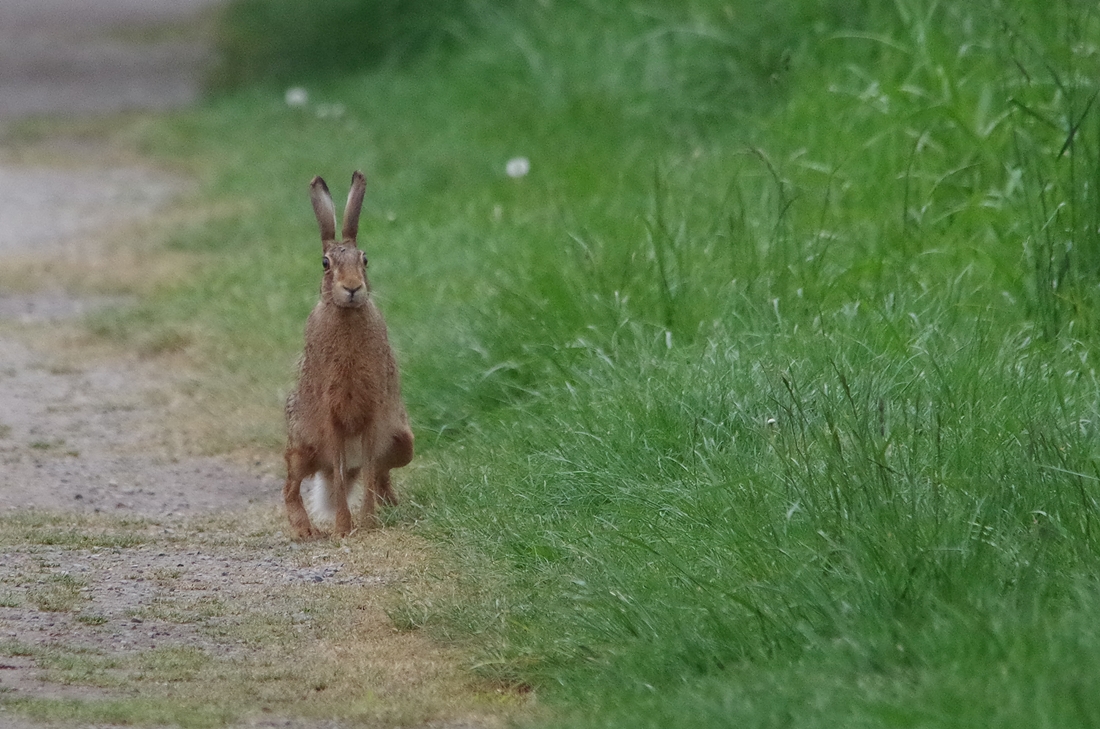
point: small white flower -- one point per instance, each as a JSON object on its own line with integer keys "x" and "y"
{"x": 296, "y": 96}
{"x": 518, "y": 167}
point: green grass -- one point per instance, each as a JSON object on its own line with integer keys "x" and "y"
{"x": 768, "y": 397}
{"x": 57, "y": 593}
{"x": 133, "y": 712}
{"x": 75, "y": 532}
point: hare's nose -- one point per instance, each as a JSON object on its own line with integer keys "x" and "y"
{"x": 353, "y": 290}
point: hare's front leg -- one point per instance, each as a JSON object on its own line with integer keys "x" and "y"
{"x": 367, "y": 516}
{"x": 298, "y": 467}
{"x": 341, "y": 484}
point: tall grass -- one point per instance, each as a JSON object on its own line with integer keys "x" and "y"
{"x": 1057, "y": 148}
{"x": 787, "y": 499}
{"x": 812, "y": 426}
{"x": 769, "y": 395}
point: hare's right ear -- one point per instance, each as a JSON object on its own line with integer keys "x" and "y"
{"x": 355, "y": 204}
{"x": 323, "y": 209}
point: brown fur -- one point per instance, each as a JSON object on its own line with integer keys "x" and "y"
{"x": 348, "y": 400}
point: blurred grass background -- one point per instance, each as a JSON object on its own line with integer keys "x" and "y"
{"x": 767, "y": 397}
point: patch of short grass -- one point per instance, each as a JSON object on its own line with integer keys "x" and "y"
{"x": 57, "y": 593}
{"x": 91, "y": 619}
{"x": 174, "y": 663}
{"x": 78, "y": 666}
{"x": 139, "y": 712}
{"x": 11, "y": 647}
{"x": 76, "y": 531}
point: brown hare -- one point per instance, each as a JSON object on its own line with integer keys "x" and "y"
{"x": 346, "y": 416}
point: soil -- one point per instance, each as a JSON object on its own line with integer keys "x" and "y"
{"x": 83, "y": 434}
{"x": 83, "y": 440}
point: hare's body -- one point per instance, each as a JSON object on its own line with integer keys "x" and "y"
{"x": 346, "y": 417}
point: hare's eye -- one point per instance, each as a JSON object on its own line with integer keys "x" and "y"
{"x": 364, "y": 257}
{"x": 325, "y": 263}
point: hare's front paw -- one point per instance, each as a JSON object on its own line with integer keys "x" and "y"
{"x": 343, "y": 523}
{"x": 303, "y": 530}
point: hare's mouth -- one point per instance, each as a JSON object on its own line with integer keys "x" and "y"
{"x": 351, "y": 298}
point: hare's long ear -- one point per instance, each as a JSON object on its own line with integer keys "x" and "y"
{"x": 355, "y": 204}
{"x": 323, "y": 209}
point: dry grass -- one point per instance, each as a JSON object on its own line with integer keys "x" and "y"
{"x": 104, "y": 268}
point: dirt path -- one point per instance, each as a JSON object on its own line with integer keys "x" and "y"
{"x": 83, "y": 439}
{"x": 77, "y": 436}
{"x": 140, "y": 584}
{"x": 97, "y": 56}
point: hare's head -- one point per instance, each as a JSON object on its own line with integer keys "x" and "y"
{"x": 345, "y": 266}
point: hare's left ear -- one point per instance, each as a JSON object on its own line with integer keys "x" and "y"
{"x": 354, "y": 206}
{"x": 323, "y": 209}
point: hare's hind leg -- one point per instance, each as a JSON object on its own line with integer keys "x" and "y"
{"x": 299, "y": 465}
{"x": 399, "y": 453}
{"x": 401, "y": 448}
{"x": 384, "y": 488}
